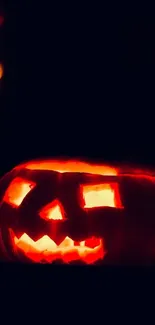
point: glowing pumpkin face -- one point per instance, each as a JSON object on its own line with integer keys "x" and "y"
{"x": 69, "y": 212}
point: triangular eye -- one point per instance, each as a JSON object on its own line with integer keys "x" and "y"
{"x": 53, "y": 211}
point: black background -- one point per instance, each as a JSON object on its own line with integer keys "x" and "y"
{"x": 78, "y": 83}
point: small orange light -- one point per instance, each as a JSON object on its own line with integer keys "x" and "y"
{"x": 1, "y": 70}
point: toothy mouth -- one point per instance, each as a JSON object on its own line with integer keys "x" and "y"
{"x": 45, "y": 249}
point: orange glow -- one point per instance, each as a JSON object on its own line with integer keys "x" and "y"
{"x": 45, "y": 249}
{"x": 1, "y": 71}
{"x": 53, "y": 210}
{"x": 17, "y": 191}
{"x": 72, "y": 166}
{"x": 101, "y": 195}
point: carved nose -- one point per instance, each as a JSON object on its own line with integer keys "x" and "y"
{"x": 53, "y": 211}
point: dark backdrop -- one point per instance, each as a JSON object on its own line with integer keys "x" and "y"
{"x": 77, "y": 82}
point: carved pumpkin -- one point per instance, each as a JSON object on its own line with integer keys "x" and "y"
{"x": 74, "y": 212}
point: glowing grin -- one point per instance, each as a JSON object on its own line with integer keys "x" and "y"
{"x": 47, "y": 250}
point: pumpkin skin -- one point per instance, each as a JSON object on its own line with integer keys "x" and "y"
{"x": 75, "y": 212}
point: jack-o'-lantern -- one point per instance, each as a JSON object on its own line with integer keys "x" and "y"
{"x": 75, "y": 212}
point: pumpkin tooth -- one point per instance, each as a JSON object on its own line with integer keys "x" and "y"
{"x": 82, "y": 243}
{"x": 67, "y": 242}
{"x": 92, "y": 242}
{"x": 45, "y": 243}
